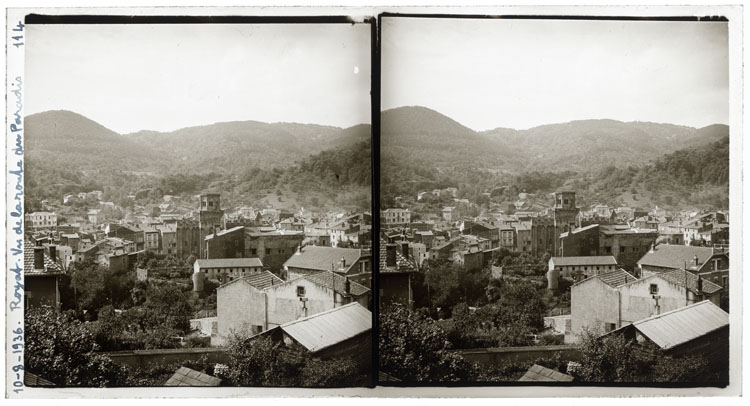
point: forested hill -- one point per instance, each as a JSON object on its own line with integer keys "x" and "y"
{"x": 606, "y": 161}
{"x": 69, "y": 153}
{"x": 424, "y": 136}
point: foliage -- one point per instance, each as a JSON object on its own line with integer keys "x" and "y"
{"x": 262, "y": 362}
{"x": 450, "y": 284}
{"x": 61, "y": 349}
{"x": 413, "y": 348}
{"x": 160, "y": 317}
{"x": 608, "y": 359}
{"x": 613, "y": 358}
{"x": 158, "y": 373}
{"x": 515, "y": 312}
{"x": 96, "y": 285}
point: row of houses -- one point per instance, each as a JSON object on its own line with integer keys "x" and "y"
{"x": 605, "y": 297}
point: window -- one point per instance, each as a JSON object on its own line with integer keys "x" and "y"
{"x": 609, "y": 326}
{"x": 724, "y": 281}
{"x": 268, "y": 251}
{"x": 300, "y": 291}
{"x": 622, "y": 249}
{"x": 608, "y": 249}
{"x": 653, "y": 289}
{"x": 254, "y": 251}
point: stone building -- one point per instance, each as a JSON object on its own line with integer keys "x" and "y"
{"x": 209, "y": 218}
{"x": 564, "y": 215}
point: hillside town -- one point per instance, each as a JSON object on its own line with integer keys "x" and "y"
{"x": 212, "y": 274}
{"x": 526, "y": 287}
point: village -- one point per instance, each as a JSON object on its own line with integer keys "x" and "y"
{"x": 647, "y": 275}
{"x": 259, "y": 273}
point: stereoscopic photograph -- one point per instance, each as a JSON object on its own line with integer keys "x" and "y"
{"x": 198, "y": 205}
{"x": 554, "y": 201}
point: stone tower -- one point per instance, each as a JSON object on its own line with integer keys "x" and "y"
{"x": 209, "y": 218}
{"x": 565, "y": 213}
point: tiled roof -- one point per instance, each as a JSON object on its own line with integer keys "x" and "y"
{"x": 675, "y": 256}
{"x": 688, "y": 279}
{"x": 328, "y": 278}
{"x": 188, "y": 377}
{"x": 229, "y": 263}
{"x": 685, "y": 324}
{"x": 28, "y": 262}
{"x": 331, "y": 327}
{"x": 259, "y": 281}
{"x": 322, "y": 258}
{"x": 402, "y": 263}
{"x": 616, "y": 278}
{"x": 570, "y": 261}
{"x": 538, "y": 373}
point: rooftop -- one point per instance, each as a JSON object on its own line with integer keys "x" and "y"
{"x": 229, "y": 263}
{"x": 616, "y": 278}
{"x": 323, "y": 258}
{"x": 337, "y": 282}
{"x": 538, "y": 373}
{"x": 51, "y": 268}
{"x": 690, "y": 280}
{"x": 675, "y": 256}
{"x": 685, "y": 324}
{"x": 263, "y": 280}
{"x": 188, "y": 377}
{"x": 571, "y": 261}
{"x": 329, "y": 328}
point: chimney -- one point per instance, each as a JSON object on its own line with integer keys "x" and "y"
{"x": 695, "y": 259}
{"x": 652, "y": 247}
{"x": 405, "y": 249}
{"x": 299, "y": 249}
{"x": 53, "y": 252}
{"x": 39, "y": 258}
{"x": 347, "y": 286}
{"x": 343, "y": 262}
{"x": 390, "y": 255}
{"x": 700, "y": 285}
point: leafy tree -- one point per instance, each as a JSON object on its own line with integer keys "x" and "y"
{"x": 262, "y": 362}
{"x": 166, "y": 306}
{"x": 62, "y": 350}
{"x": 613, "y": 358}
{"x": 413, "y": 348}
{"x": 96, "y": 285}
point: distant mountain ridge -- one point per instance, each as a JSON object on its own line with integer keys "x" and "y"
{"x": 223, "y": 147}
{"x": 583, "y": 145}
{"x": 68, "y": 153}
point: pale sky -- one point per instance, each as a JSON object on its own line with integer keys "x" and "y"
{"x": 523, "y": 73}
{"x": 168, "y": 76}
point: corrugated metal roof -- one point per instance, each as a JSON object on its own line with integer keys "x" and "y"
{"x": 331, "y": 327}
{"x": 189, "y": 377}
{"x": 684, "y": 324}
{"x": 229, "y": 263}
{"x": 538, "y": 373}
{"x": 597, "y": 260}
{"x": 31, "y": 379}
